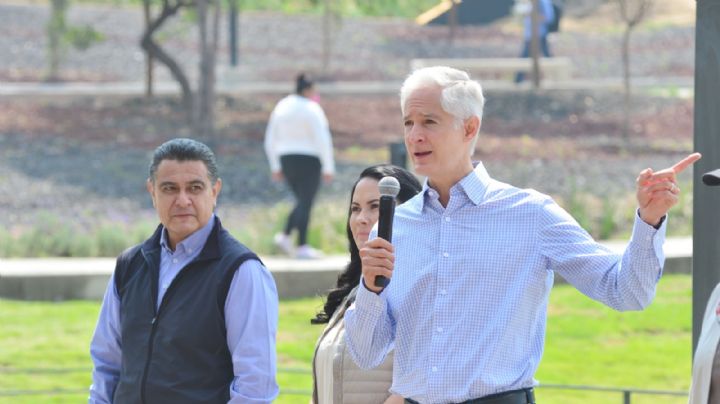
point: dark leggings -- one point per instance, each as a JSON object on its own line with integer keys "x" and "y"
{"x": 302, "y": 173}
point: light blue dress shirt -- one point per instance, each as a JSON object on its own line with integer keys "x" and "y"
{"x": 467, "y": 303}
{"x": 251, "y": 316}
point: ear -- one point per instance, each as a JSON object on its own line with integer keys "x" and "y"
{"x": 471, "y": 125}
{"x": 151, "y": 190}
{"x": 216, "y": 190}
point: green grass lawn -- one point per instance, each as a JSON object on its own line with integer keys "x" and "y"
{"x": 587, "y": 344}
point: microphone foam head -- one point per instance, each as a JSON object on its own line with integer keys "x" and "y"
{"x": 389, "y": 186}
{"x": 712, "y": 178}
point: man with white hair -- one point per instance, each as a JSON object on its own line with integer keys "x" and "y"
{"x": 472, "y": 261}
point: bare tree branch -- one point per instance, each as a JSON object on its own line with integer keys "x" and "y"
{"x": 155, "y": 51}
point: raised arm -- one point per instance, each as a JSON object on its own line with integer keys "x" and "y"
{"x": 369, "y": 330}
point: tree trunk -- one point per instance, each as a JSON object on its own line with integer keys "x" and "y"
{"x": 233, "y": 31}
{"x": 56, "y": 29}
{"x": 148, "y": 56}
{"x": 453, "y": 22}
{"x": 626, "y": 80}
{"x": 631, "y": 17}
{"x": 326, "y": 36}
{"x": 535, "y": 43}
{"x": 209, "y": 35}
{"x": 156, "y": 52}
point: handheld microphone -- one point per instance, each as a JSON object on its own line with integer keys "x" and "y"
{"x": 711, "y": 178}
{"x": 389, "y": 189}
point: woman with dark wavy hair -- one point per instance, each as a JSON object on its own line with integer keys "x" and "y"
{"x": 336, "y": 377}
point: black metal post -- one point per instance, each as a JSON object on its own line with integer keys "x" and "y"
{"x": 233, "y": 24}
{"x": 706, "y": 200}
{"x": 398, "y": 154}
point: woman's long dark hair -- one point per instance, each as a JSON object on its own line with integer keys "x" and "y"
{"x": 350, "y": 277}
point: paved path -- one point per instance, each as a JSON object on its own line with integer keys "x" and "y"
{"x": 232, "y": 86}
{"x": 86, "y": 278}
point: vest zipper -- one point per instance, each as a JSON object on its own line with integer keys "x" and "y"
{"x": 149, "y": 356}
{"x": 153, "y": 322}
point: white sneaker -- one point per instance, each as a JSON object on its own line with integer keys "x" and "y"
{"x": 307, "y": 252}
{"x": 283, "y": 243}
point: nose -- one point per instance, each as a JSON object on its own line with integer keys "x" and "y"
{"x": 362, "y": 217}
{"x": 414, "y": 134}
{"x": 183, "y": 199}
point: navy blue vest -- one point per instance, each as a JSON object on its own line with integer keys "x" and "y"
{"x": 177, "y": 353}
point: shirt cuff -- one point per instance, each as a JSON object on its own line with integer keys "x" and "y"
{"x": 369, "y": 302}
{"x": 647, "y": 237}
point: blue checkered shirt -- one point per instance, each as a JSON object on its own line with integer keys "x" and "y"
{"x": 467, "y": 303}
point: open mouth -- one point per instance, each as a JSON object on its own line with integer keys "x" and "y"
{"x": 422, "y": 154}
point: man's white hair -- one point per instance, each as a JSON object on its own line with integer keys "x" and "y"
{"x": 460, "y": 96}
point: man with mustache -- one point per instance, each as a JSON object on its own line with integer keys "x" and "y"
{"x": 190, "y": 315}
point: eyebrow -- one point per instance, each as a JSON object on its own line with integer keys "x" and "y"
{"x": 428, "y": 115}
{"x": 370, "y": 201}
{"x": 193, "y": 182}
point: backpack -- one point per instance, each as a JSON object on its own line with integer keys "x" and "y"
{"x": 554, "y": 25}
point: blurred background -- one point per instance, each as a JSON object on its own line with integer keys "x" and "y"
{"x": 88, "y": 88}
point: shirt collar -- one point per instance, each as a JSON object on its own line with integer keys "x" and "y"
{"x": 474, "y": 185}
{"x": 193, "y": 243}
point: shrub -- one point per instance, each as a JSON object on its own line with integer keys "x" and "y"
{"x": 112, "y": 239}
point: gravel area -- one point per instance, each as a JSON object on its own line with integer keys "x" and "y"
{"x": 87, "y": 158}
{"x": 83, "y": 183}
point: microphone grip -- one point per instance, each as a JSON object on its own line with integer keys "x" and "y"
{"x": 385, "y": 223}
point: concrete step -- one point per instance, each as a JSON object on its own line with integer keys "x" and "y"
{"x": 59, "y": 279}
{"x": 240, "y": 87}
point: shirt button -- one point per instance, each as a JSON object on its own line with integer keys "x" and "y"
{"x": 440, "y": 329}
{"x": 443, "y": 292}
{"x": 447, "y": 219}
{"x": 446, "y": 255}
{"x": 434, "y": 368}
{"x": 175, "y": 260}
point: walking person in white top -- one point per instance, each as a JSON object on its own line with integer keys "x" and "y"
{"x": 299, "y": 148}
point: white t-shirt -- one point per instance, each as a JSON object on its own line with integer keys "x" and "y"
{"x": 298, "y": 125}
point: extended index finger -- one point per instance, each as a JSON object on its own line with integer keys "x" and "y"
{"x": 685, "y": 163}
